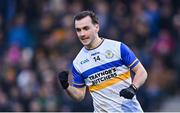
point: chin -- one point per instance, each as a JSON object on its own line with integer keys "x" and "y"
{"x": 85, "y": 43}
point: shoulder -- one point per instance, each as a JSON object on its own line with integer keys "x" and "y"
{"x": 79, "y": 56}
{"x": 111, "y": 41}
{"x": 124, "y": 47}
{"x": 112, "y": 44}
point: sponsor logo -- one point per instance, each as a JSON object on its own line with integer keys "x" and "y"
{"x": 84, "y": 61}
{"x": 95, "y": 53}
{"x": 109, "y": 54}
{"x": 102, "y": 76}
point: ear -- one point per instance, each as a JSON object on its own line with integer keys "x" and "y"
{"x": 97, "y": 28}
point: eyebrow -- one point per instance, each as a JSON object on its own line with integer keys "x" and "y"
{"x": 82, "y": 27}
{"x": 77, "y": 29}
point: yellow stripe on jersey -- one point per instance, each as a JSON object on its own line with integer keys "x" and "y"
{"x": 110, "y": 82}
{"x": 132, "y": 63}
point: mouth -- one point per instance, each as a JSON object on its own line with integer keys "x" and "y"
{"x": 84, "y": 38}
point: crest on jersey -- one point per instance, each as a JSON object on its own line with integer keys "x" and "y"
{"x": 109, "y": 54}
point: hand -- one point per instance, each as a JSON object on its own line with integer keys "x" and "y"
{"x": 128, "y": 92}
{"x": 63, "y": 79}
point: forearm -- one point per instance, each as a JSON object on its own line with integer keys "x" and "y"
{"x": 140, "y": 76}
{"x": 77, "y": 94}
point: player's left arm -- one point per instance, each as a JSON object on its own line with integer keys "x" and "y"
{"x": 140, "y": 75}
{"x": 130, "y": 60}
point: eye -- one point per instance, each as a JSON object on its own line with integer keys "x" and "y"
{"x": 86, "y": 28}
{"x": 78, "y": 30}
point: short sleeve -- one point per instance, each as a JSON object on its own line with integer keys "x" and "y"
{"x": 128, "y": 57}
{"x": 78, "y": 80}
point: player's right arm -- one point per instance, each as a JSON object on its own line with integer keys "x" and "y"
{"x": 78, "y": 90}
{"x": 77, "y": 94}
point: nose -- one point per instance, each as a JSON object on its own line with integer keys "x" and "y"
{"x": 82, "y": 34}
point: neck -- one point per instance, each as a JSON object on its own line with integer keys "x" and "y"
{"x": 95, "y": 43}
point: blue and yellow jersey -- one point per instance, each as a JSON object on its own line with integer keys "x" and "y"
{"x": 106, "y": 71}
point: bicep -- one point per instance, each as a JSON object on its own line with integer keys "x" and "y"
{"x": 137, "y": 68}
{"x": 82, "y": 90}
{"x": 76, "y": 93}
{"x": 77, "y": 80}
{"x": 128, "y": 57}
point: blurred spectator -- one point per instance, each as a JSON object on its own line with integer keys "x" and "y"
{"x": 35, "y": 106}
{"x": 37, "y": 40}
{"x": 4, "y": 105}
{"x": 176, "y": 34}
{"x": 102, "y": 10}
{"x": 18, "y": 33}
{"x": 152, "y": 13}
{"x": 164, "y": 45}
{"x": 170, "y": 104}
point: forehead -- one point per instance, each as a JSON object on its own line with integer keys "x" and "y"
{"x": 86, "y": 21}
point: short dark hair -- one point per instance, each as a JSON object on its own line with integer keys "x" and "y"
{"x": 83, "y": 14}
